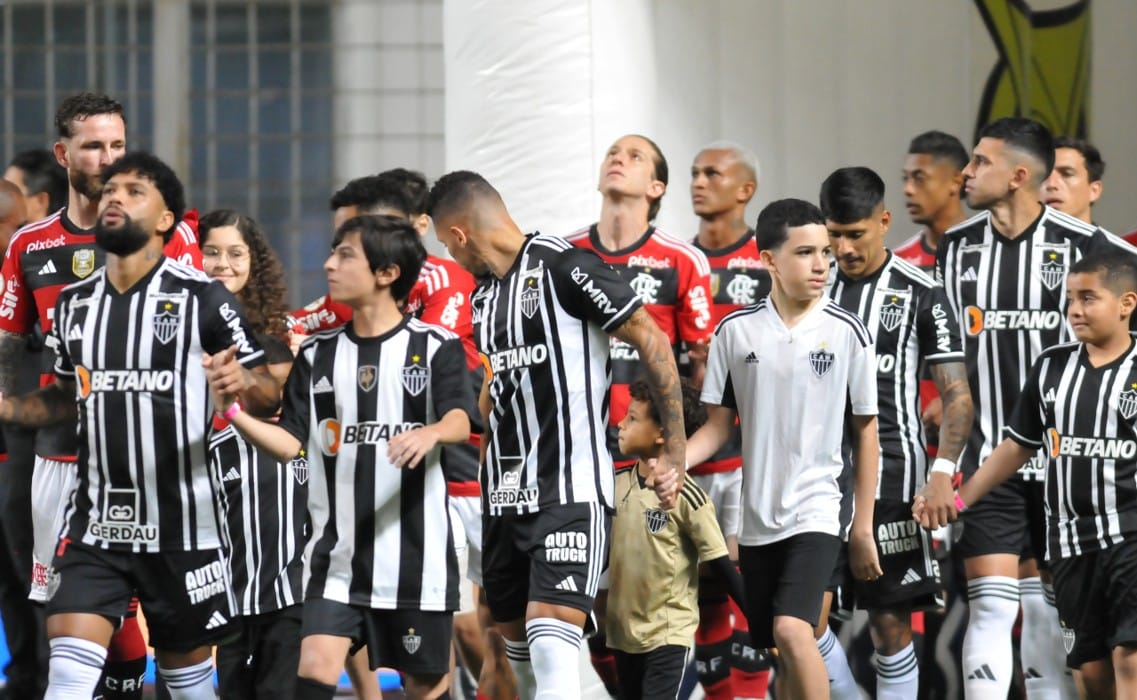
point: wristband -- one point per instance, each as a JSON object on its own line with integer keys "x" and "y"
{"x": 234, "y": 409}
{"x": 943, "y": 466}
{"x": 960, "y": 506}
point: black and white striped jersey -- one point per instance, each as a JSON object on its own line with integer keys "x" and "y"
{"x": 543, "y": 329}
{"x": 911, "y": 323}
{"x": 1009, "y": 296}
{"x": 1085, "y": 419}
{"x": 266, "y": 517}
{"x": 145, "y": 480}
{"x": 380, "y": 534}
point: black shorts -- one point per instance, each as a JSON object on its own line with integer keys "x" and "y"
{"x": 553, "y": 556}
{"x": 1096, "y": 595}
{"x": 414, "y": 641}
{"x": 1035, "y": 546}
{"x": 653, "y": 675}
{"x": 261, "y": 663}
{"x": 1000, "y": 523}
{"x": 186, "y": 596}
{"x": 911, "y": 573}
{"x": 786, "y": 578}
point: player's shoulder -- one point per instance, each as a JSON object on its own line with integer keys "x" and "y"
{"x": 83, "y": 288}
{"x": 910, "y": 273}
{"x": 580, "y": 237}
{"x": 913, "y": 247}
{"x": 186, "y": 274}
{"x": 419, "y": 327}
{"x": 683, "y": 252}
{"x": 37, "y": 231}
{"x": 1060, "y": 352}
{"x": 321, "y": 337}
{"x": 442, "y": 273}
{"x": 968, "y": 227}
{"x": 692, "y": 494}
{"x": 1072, "y": 226}
{"x": 847, "y": 320}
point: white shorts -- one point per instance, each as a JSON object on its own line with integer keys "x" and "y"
{"x": 725, "y": 490}
{"x": 53, "y": 482}
{"x": 466, "y": 521}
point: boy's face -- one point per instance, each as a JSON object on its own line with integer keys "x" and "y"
{"x": 1096, "y": 313}
{"x": 801, "y": 264}
{"x": 639, "y": 434}
{"x": 350, "y": 279}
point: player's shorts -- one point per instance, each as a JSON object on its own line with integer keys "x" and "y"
{"x": 1035, "y": 546}
{"x": 998, "y": 523}
{"x": 725, "y": 491}
{"x": 552, "y": 556}
{"x": 53, "y": 482}
{"x": 466, "y": 521}
{"x": 1096, "y": 595}
{"x": 262, "y": 661}
{"x": 186, "y": 596}
{"x": 911, "y": 573}
{"x": 787, "y": 578}
{"x": 414, "y": 641}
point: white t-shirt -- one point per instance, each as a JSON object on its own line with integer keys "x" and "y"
{"x": 790, "y": 388}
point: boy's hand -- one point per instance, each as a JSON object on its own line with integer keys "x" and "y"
{"x": 666, "y": 481}
{"x": 863, "y": 558}
{"x": 934, "y": 506}
{"x": 408, "y": 449}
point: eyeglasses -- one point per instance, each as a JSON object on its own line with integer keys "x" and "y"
{"x": 236, "y": 255}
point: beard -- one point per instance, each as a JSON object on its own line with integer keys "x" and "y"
{"x": 90, "y": 186}
{"x": 128, "y": 238}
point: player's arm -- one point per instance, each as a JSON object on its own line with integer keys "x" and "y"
{"x": 11, "y": 345}
{"x": 694, "y": 316}
{"x": 951, "y": 383}
{"x": 1005, "y": 460}
{"x": 712, "y": 435}
{"x": 866, "y": 457}
{"x": 269, "y": 437}
{"x": 725, "y": 571}
{"x": 695, "y": 515}
{"x": 255, "y": 388}
{"x": 407, "y": 449}
{"x": 49, "y": 405}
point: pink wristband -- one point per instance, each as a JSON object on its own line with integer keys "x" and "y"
{"x": 235, "y": 408}
{"x": 960, "y": 506}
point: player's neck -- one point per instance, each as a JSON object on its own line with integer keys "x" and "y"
{"x": 945, "y": 219}
{"x": 722, "y": 231}
{"x": 81, "y": 210}
{"x": 503, "y": 250}
{"x": 790, "y": 309}
{"x": 124, "y": 271}
{"x": 376, "y": 315}
{"x": 622, "y": 222}
{"x": 1110, "y": 349}
{"x": 1012, "y": 218}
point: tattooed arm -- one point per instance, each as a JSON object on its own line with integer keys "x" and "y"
{"x": 51, "y": 405}
{"x": 658, "y": 360}
{"x": 951, "y": 383}
{"x": 11, "y": 347}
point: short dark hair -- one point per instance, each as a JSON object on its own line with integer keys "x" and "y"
{"x": 1095, "y": 166}
{"x": 1118, "y": 272}
{"x": 386, "y": 241}
{"x": 415, "y": 187}
{"x": 780, "y": 215}
{"x": 457, "y": 190}
{"x": 79, "y": 107}
{"x": 940, "y": 146}
{"x": 156, "y": 171}
{"x": 659, "y": 172}
{"x": 1024, "y": 135}
{"x": 694, "y": 411}
{"x": 372, "y": 193}
{"x": 851, "y": 194}
{"x": 42, "y": 173}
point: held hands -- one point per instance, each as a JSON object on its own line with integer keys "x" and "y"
{"x": 863, "y": 560}
{"x": 934, "y": 506}
{"x": 225, "y": 375}
{"x": 408, "y": 449}
{"x": 665, "y": 480}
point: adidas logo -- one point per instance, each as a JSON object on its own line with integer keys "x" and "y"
{"x": 752, "y": 358}
{"x": 323, "y": 386}
{"x": 75, "y": 333}
{"x": 910, "y": 576}
{"x": 216, "y": 620}
{"x": 1032, "y": 673}
{"x": 983, "y": 673}
{"x": 232, "y": 475}
{"x": 969, "y": 276}
{"x": 48, "y": 269}
{"x": 1049, "y": 398}
{"x": 567, "y": 585}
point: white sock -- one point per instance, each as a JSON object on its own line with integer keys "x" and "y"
{"x": 1068, "y": 688}
{"x": 75, "y": 668}
{"x": 988, "y": 659}
{"x": 842, "y": 686}
{"x": 898, "y": 676}
{"x": 518, "y": 655}
{"x": 555, "y": 647}
{"x": 1041, "y": 651}
{"x": 190, "y": 683}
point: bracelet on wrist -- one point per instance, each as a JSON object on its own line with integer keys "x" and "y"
{"x": 943, "y": 466}
{"x": 960, "y": 506}
{"x": 233, "y": 410}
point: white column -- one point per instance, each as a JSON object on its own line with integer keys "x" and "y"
{"x": 171, "y": 61}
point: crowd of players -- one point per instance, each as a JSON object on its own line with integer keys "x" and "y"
{"x": 666, "y": 445}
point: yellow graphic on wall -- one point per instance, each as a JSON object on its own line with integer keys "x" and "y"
{"x": 1043, "y": 70}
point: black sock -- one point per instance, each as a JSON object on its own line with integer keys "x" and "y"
{"x": 308, "y": 689}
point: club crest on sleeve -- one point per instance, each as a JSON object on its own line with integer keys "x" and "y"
{"x": 366, "y": 377}
{"x": 821, "y": 361}
{"x": 166, "y": 322}
{"x": 415, "y": 376}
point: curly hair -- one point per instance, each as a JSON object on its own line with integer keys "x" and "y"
{"x": 694, "y": 412}
{"x": 264, "y": 296}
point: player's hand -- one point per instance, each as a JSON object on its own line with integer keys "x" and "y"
{"x": 224, "y": 372}
{"x": 666, "y": 477}
{"x": 934, "y": 506}
{"x": 295, "y": 338}
{"x": 863, "y": 558}
{"x": 408, "y": 449}
{"x": 932, "y": 416}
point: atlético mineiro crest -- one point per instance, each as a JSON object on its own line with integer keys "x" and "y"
{"x": 166, "y": 323}
{"x": 415, "y": 376}
{"x": 656, "y": 520}
{"x": 821, "y": 361}
{"x": 366, "y": 376}
{"x": 1068, "y": 637}
{"x": 412, "y": 641}
{"x": 530, "y": 296}
{"x": 1052, "y": 267}
{"x": 299, "y": 466}
{"x": 1127, "y": 402}
{"x": 891, "y": 313}
{"x": 83, "y": 262}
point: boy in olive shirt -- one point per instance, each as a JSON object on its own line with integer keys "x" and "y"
{"x": 654, "y": 571}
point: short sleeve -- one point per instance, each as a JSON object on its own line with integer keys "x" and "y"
{"x": 64, "y": 368}
{"x": 718, "y": 389}
{"x": 223, "y": 324}
{"x": 694, "y": 298}
{"x": 295, "y": 413}
{"x": 862, "y": 375}
{"x": 591, "y": 290}
{"x": 451, "y": 385}
{"x": 699, "y": 523}
{"x": 1028, "y": 421}
{"x": 937, "y": 329}
{"x": 17, "y": 306}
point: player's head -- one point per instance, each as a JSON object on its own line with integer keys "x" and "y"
{"x": 794, "y": 244}
{"x": 235, "y": 250}
{"x": 1101, "y": 293}
{"x": 374, "y": 194}
{"x": 724, "y": 177}
{"x": 416, "y": 188}
{"x": 141, "y": 199}
{"x": 634, "y": 168}
{"x": 1075, "y": 183}
{"x": 42, "y": 181}
{"x": 374, "y": 253}
{"x": 641, "y": 429}
{"x": 464, "y": 206}
{"x": 852, "y": 200}
{"x": 13, "y": 211}
{"x": 933, "y": 175}
{"x": 92, "y": 135}
{"x": 1014, "y": 155}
